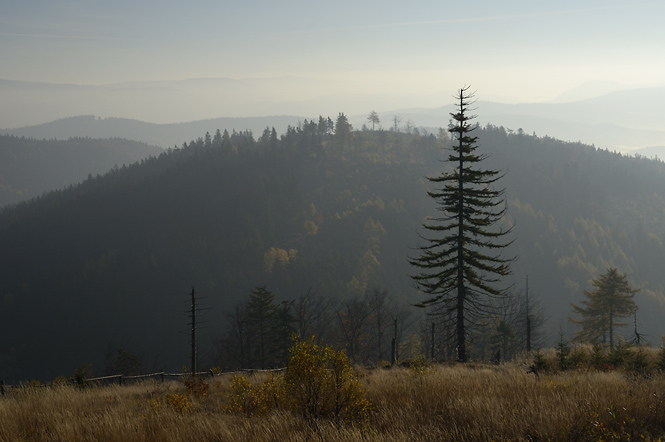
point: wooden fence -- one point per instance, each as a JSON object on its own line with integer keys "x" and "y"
{"x": 122, "y": 379}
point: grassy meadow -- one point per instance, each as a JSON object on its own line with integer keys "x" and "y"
{"x": 422, "y": 402}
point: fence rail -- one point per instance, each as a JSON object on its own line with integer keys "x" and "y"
{"x": 120, "y": 379}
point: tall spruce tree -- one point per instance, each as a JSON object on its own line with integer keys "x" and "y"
{"x": 462, "y": 259}
{"x": 611, "y": 299}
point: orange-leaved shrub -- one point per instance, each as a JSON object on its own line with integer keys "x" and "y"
{"x": 196, "y": 386}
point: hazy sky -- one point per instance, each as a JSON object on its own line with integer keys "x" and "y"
{"x": 507, "y": 50}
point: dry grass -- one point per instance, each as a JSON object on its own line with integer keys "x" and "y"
{"x": 504, "y": 403}
{"x": 454, "y": 402}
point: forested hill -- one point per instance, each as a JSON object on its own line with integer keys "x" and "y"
{"x": 30, "y": 167}
{"x": 163, "y": 135}
{"x": 320, "y": 207}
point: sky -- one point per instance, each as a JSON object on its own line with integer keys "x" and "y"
{"x": 509, "y": 51}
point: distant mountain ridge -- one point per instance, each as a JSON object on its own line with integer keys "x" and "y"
{"x": 626, "y": 120}
{"x": 154, "y": 101}
{"x": 606, "y": 115}
{"x": 162, "y": 135}
{"x": 590, "y": 89}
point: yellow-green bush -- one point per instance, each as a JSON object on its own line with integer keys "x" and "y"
{"x": 255, "y": 400}
{"x": 320, "y": 383}
{"x": 179, "y": 403}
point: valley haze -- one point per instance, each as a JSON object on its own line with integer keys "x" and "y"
{"x": 587, "y": 71}
{"x": 171, "y": 112}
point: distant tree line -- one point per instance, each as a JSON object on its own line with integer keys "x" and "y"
{"x": 371, "y": 329}
{"x": 260, "y": 330}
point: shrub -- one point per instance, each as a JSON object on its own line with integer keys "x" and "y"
{"x": 179, "y": 403}
{"x": 254, "y": 400}
{"x": 578, "y": 356}
{"x": 196, "y": 386}
{"x": 243, "y": 396}
{"x": 618, "y": 355}
{"x": 321, "y": 383}
{"x": 637, "y": 361}
{"x": 59, "y": 381}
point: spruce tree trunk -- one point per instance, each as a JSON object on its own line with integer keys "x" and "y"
{"x": 461, "y": 343}
{"x": 611, "y": 329}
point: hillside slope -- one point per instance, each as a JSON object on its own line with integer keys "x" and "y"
{"x": 30, "y": 167}
{"x": 335, "y": 213}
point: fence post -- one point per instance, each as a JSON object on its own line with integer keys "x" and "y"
{"x": 2, "y": 387}
{"x": 161, "y": 375}
{"x": 120, "y": 380}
